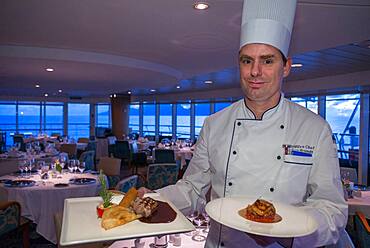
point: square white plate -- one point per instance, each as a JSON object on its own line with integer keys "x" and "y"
{"x": 81, "y": 224}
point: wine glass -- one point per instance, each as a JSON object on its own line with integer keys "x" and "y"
{"x": 81, "y": 167}
{"x": 71, "y": 165}
{"x": 21, "y": 165}
{"x": 39, "y": 166}
{"x": 76, "y": 164}
{"x": 200, "y": 221}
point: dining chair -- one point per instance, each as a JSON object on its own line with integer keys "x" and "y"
{"x": 160, "y": 175}
{"x": 11, "y": 221}
{"x": 83, "y": 140}
{"x": 362, "y": 229}
{"x": 111, "y": 168}
{"x": 70, "y": 149}
{"x": 101, "y": 148}
{"x": 348, "y": 173}
{"x": 19, "y": 139}
{"x": 127, "y": 183}
{"x": 122, "y": 151}
{"x": 164, "y": 156}
{"x": 88, "y": 158}
{"x": 138, "y": 158}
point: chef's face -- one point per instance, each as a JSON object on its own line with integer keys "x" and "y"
{"x": 261, "y": 72}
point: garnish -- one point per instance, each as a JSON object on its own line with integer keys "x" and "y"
{"x": 105, "y": 194}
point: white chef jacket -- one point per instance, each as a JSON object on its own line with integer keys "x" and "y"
{"x": 237, "y": 154}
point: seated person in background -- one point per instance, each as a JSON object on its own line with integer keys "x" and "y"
{"x": 265, "y": 146}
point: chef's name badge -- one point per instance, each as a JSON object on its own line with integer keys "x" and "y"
{"x": 298, "y": 150}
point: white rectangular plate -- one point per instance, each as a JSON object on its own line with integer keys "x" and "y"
{"x": 81, "y": 224}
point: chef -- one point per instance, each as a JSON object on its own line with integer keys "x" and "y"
{"x": 265, "y": 146}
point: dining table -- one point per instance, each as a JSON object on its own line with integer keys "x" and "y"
{"x": 43, "y": 199}
{"x": 359, "y": 202}
{"x": 9, "y": 162}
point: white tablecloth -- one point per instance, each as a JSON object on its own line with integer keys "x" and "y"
{"x": 360, "y": 204}
{"x": 186, "y": 242}
{"x": 39, "y": 203}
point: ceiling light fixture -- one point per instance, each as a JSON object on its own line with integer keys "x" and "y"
{"x": 49, "y": 69}
{"x": 296, "y": 65}
{"x": 152, "y": 90}
{"x": 129, "y": 92}
{"x": 201, "y": 6}
{"x": 46, "y": 94}
{"x": 60, "y": 91}
{"x": 114, "y": 95}
{"x": 37, "y": 85}
{"x": 208, "y": 82}
{"x": 178, "y": 87}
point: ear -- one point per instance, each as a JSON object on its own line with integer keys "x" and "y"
{"x": 287, "y": 67}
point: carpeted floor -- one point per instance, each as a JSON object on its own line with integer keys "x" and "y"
{"x": 14, "y": 240}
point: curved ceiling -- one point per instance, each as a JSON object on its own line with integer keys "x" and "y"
{"x": 102, "y": 47}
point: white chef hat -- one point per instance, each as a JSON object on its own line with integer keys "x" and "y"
{"x": 268, "y": 22}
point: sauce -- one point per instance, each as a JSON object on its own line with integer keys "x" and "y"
{"x": 163, "y": 214}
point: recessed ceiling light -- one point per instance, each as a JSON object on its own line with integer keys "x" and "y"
{"x": 208, "y": 82}
{"x": 37, "y": 85}
{"x": 49, "y": 69}
{"x": 178, "y": 87}
{"x": 114, "y": 95}
{"x": 60, "y": 91}
{"x": 129, "y": 92}
{"x": 152, "y": 90}
{"x": 46, "y": 94}
{"x": 296, "y": 65}
{"x": 201, "y": 6}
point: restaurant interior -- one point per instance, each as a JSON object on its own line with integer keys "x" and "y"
{"x": 125, "y": 86}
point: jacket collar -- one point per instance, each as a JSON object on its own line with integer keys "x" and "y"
{"x": 248, "y": 114}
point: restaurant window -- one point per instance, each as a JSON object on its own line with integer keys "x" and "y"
{"x": 134, "y": 117}
{"x": 221, "y": 105}
{"x": 183, "y": 120}
{"x": 53, "y": 118}
{"x": 307, "y": 102}
{"x": 8, "y": 124}
{"x": 78, "y": 120}
{"x": 29, "y": 118}
{"x": 148, "y": 119}
{"x": 343, "y": 115}
{"x": 202, "y": 111}
{"x": 165, "y": 119}
{"x": 103, "y": 116}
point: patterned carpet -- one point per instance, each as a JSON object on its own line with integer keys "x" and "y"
{"x": 14, "y": 240}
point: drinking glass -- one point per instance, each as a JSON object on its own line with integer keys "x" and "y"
{"x": 200, "y": 222}
{"x": 81, "y": 167}
{"x": 71, "y": 165}
{"x": 76, "y": 164}
{"x": 21, "y": 165}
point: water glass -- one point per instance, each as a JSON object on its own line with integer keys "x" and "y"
{"x": 81, "y": 167}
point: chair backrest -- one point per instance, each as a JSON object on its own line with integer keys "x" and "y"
{"x": 110, "y": 166}
{"x": 160, "y": 175}
{"x": 362, "y": 228}
{"x": 70, "y": 149}
{"x": 349, "y": 173}
{"x": 164, "y": 156}
{"x": 83, "y": 140}
{"x": 125, "y": 184}
{"x": 10, "y": 214}
{"x": 88, "y": 158}
{"x": 134, "y": 147}
{"x": 101, "y": 148}
{"x": 122, "y": 149}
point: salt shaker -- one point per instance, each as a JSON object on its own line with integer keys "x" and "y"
{"x": 160, "y": 241}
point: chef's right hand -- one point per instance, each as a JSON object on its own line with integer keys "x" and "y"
{"x": 142, "y": 191}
